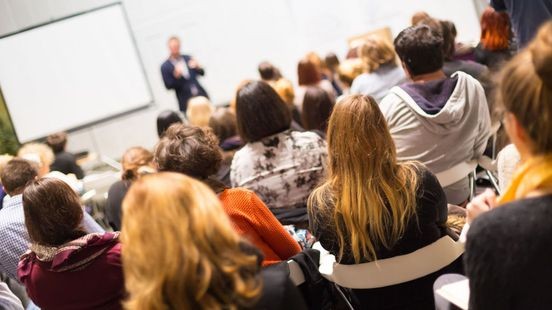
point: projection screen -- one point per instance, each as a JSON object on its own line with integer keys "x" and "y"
{"x": 71, "y": 73}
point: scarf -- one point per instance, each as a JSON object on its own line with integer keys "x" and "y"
{"x": 534, "y": 174}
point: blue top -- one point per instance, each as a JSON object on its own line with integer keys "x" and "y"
{"x": 14, "y": 239}
{"x": 378, "y": 83}
{"x": 526, "y": 16}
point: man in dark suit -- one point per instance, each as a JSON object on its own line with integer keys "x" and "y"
{"x": 180, "y": 73}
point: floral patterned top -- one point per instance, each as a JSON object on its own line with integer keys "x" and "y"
{"x": 281, "y": 169}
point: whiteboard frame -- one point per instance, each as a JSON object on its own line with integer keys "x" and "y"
{"x": 104, "y": 119}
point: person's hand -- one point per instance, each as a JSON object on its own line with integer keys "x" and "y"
{"x": 177, "y": 73}
{"x": 192, "y": 64}
{"x": 480, "y": 204}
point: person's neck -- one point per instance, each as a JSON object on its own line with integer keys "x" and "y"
{"x": 175, "y": 57}
{"x": 432, "y": 76}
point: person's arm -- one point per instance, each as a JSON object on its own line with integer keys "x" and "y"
{"x": 76, "y": 169}
{"x": 271, "y": 230}
{"x": 8, "y": 300}
{"x": 168, "y": 77}
{"x": 484, "y": 123}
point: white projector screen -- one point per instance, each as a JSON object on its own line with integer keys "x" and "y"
{"x": 71, "y": 73}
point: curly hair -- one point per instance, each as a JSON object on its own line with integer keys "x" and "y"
{"x": 190, "y": 150}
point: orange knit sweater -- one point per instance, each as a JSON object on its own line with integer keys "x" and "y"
{"x": 252, "y": 219}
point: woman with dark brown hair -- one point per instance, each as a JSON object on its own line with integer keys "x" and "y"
{"x": 309, "y": 74}
{"x": 194, "y": 151}
{"x": 66, "y": 268}
{"x": 317, "y": 108}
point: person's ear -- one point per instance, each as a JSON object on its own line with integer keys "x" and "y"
{"x": 518, "y": 135}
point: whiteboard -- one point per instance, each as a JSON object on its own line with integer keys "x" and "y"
{"x": 71, "y": 73}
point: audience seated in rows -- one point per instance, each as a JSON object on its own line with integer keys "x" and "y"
{"x": 66, "y": 267}
{"x": 280, "y": 165}
{"x": 508, "y": 249}
{"x": 14, "y": 239}
{"x": 165, "y": 267}
{"x": 64, "y": 161}
{"x": 135, "y": 162}
{"x": 194, "y": 151}
{"x": 373, "y": 207}
{"x": 381, "y": 69}
{"x": 440, "y": 121}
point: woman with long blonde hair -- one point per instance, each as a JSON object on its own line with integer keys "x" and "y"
{"x": 373, "y": 207}
{"x": 180, "y": 252}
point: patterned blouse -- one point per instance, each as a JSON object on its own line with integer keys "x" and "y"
{"x": 282, "y": 169}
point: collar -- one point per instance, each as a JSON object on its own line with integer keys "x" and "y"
{"x": 12, "y": 202}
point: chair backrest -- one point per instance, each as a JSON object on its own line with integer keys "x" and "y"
{"x": 394, "y": 270}
{"x": 295, "y": 273}
{"x": 456, "y": 173}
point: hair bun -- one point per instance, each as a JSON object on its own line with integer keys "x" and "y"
{"x": 541, "y": 52}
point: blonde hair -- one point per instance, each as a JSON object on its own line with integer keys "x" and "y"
{"x": 348, "y": 70}
{"x": 284, "y": 88}
{"x": 525, "y": 89}
{"x": 375, "y": 52}
{"x": 136, "y": 161}
{"x": 179, "y": 248}
{"x": 368, "y": 195}
{"x": 39, "y": 153}
{"x": 3, "y": 161}
{"x": 199, "y": 111}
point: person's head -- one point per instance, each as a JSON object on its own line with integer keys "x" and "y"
{"x": 53, "y": 213}
{"x": 308, "y": 73}
{"x": 331, "y": 61}
{"x": 16, "y": 174}
{"x": 376, "y": 52}
{"x": 348, "y": 70}
{"x": 448, "y": 31}
{"x": 4, "y": 159}
{"x": 420, "y": 49}
{"x": 165, "y": 120}
{"x": 525, "y": 94}
{"x": 268, "y": 72}
{"x": 496, "y": 30}
{"x": 317, "y": 108}
{"x": 199, "y": 262}
{"x": 136, "y": 161}
{"x": 284, "y": 88}
{"x": 223, "y": 123}
{"x": 57, "y": 142}
{"x": 174, "y": 46}
{"x": 260, "y": 112}
{"x": 199, "y": 111}
{"x": 373, "y": 196}
{"x": 418, "y": 17}
{"x": 190, "y": 150}
{"x": 39, "y": 153}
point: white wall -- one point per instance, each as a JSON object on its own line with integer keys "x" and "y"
{"x": 229, "y": 38}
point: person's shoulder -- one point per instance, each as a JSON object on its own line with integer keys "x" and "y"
{"x": 236, "y": 194}
{"x": 306, "y": 136}
{"x": 278, "y": 290}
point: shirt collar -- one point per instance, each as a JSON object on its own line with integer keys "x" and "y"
{"x": 12, "y": 201}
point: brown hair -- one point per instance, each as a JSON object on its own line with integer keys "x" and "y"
{"x": 308, "y": 73}
{"x": 260, "y": 112}
{"x": 134, "y": 159}
{"x": 376, "y": 52}
{"x": 348, "y": 70}
{"x": 57, "y": 141}
{"x": 496, "y": 30}
{"x": 284, "y": 88}
{"x": 223, "y": 124}
{"x": 16, "y": 174}
{"x": 420, "y": 48}
{"x": 199, "y": 260}
{"x": 317, "y": 108}
{"x": 525, "y": 89}
{"x": 418, "y": 17}
{"x": 53, "y": 213}
{"x": 268, "y": 72}
{"x": 189, "y": 150}
{"x": 368, "y": 197}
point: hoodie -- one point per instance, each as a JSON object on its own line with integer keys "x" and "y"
{"x": 439, "y": 135}
{"x": 85, "y": 273}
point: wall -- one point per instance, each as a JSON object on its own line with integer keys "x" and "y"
{"x": 229, "y": 38}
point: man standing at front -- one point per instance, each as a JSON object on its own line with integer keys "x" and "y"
{"x": 180, "y": 73}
